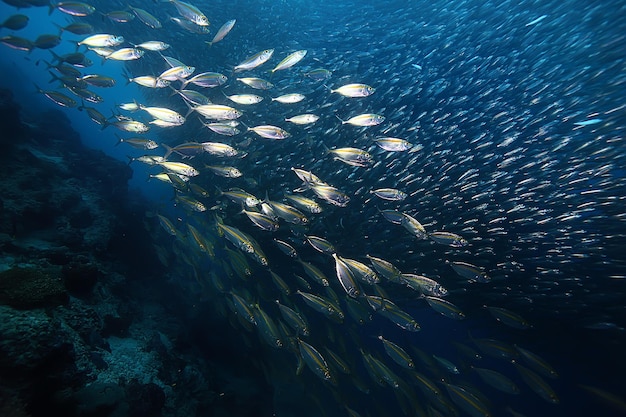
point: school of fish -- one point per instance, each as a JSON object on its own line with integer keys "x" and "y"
{"x": 328, "y": 215}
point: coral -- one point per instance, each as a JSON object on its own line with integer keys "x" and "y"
{"x": 26, "y": 288}
{"x": 29, "y": 340}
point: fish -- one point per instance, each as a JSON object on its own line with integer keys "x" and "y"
{"x": 224, "y": 171}
{"x": 149, "y": 81}
{"x": 466, "y": 400}
{"x": 289, "y": 98}
{"x": 267, "y": 328}
{"x": 138, "y": 143}
{"x": 217, "y": 111}
{"x": 101, "y": 40}
{"x": 270, "y": 132}
{"x": 497, "y": 380}
{"x": 18, "y": 43}
{"x": 245, "y": 99}
{"x": 243, "y": 308}
{"x": 508, "y": 317}
{"x": 537, "y": 20}
{"x": 305, "y": 203}
{"x": 321, "y": 245}
{"x": 469, "y": 271}
{"x": 235, "y": 236}
{"x": 146, "y": 18}
{"x": 219, "y": 149}
{"x": 190, "y": 12}
{"x": 190, "y": 203}
{"x": 398, "y": 354}
{"x": 386, "y": 269}
{"x": 58, "y": 98}
{"x": 206, "y": 80}
{"x": 222, "y": 31}
{"x": 257, "y": 83}
{"x": 240, "y": 196}
{"x": 316, "y": 362}
{"x": 176, "y": 73}
{"x": 165, "y": 114}
{"x": 414, "y": 226}
{"x": 262, "y": 221}
{"x": 294, "y": 319}
{"x": 47, "y": 41}
{"x": 352, "y": 156}
{"x": 537, "y": 363}
{"x": 73, "y": 8}
{"x": 125, "y": 54}
{"x": 424, "y": 285}
{"x": 155, "y": 46}
{"x": 346, "y": 277}
{"x": 290, "y": 60}
{"x": 391, "y": 194}
{"x": 537, "y": 384}
{"x": 354, "y": 90}
{"x": 322, "y": 305}
{"x": 15, "y": 22}
{"x": 119, "y": 16}
{"x": 303, "y": 119}
{"x": 588, "y": 122}
{"x": 364, "y": 120}
{"x": 179, "y": 168}
{"x": 448, "y": 238}
{"x": 393, "y": 144}
{"x": 254, "y": 61}
{"x": 318, "y": 74}
{"x": 97, "y": 80}
{"x": 444, "y": 307}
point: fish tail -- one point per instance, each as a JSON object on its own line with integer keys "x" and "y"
{"x": 54, "y": 77}
{"x": 168, "y": 149}
{"x": 55, "y": 56}
{"x": 61, "y": 28}
{"x": 51, "y": 8}
{"x": 119, "y": 139}
{"x": 130, "y": 159}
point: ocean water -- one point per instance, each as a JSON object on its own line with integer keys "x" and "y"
{"x": 516, "y": 116}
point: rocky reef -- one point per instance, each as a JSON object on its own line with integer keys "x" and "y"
{"x": 85, "y": 328}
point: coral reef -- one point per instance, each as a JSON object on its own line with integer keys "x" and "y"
{"x": 85, "y": 329}
{"x": 26, "y": 288}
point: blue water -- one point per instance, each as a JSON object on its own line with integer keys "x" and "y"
{"x": 480, "y": 87}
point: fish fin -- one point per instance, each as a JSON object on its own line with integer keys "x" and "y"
{"x": 174, "y": 91}
{"x": 191, "y": 109}
{"x": 343, "y": 122}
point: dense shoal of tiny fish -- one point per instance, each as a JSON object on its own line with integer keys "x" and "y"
{"x": 322, "y": 191}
